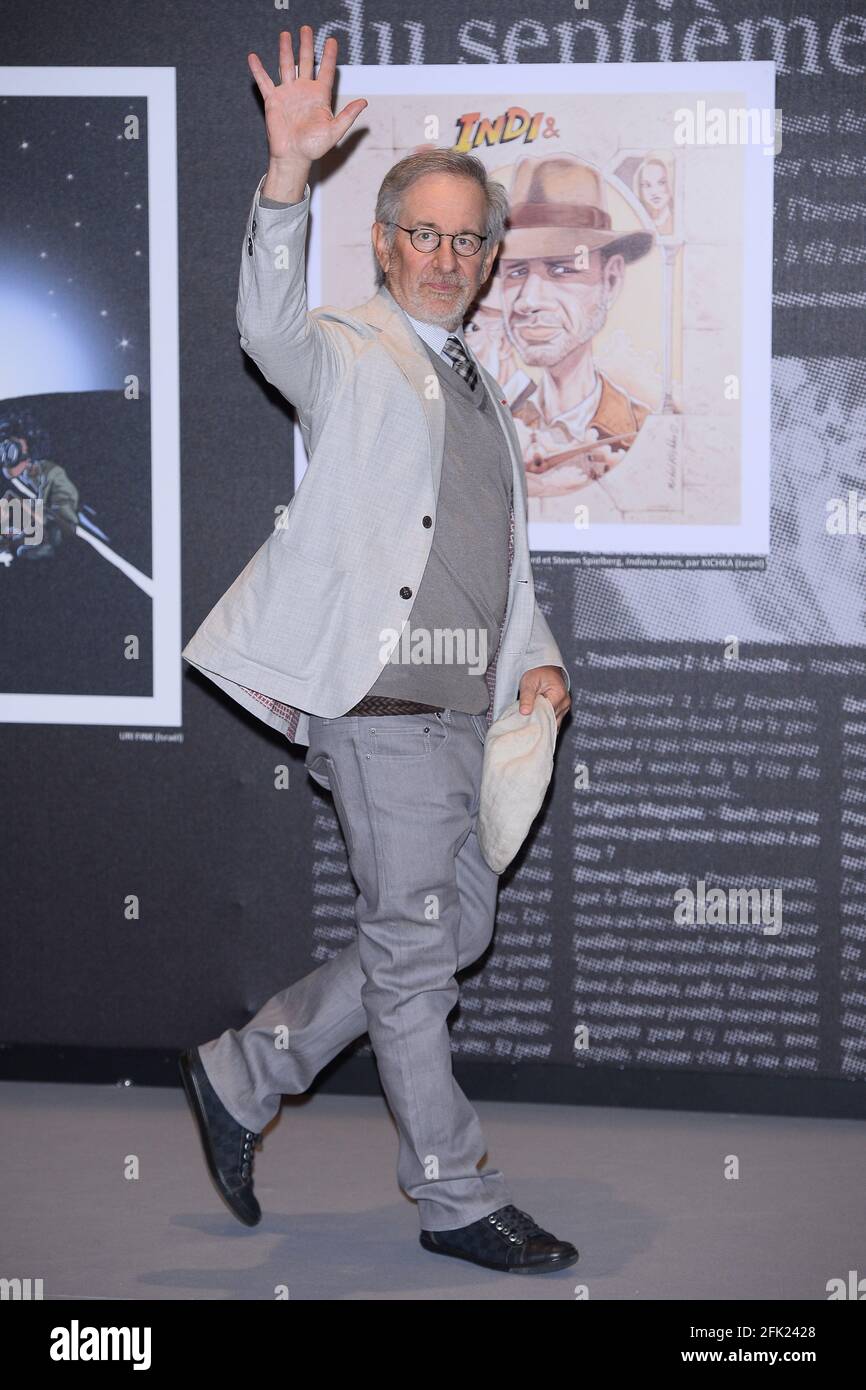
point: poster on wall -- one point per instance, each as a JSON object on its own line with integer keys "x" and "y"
{"x": 628, "y": 319}
{"x": 89, "y": 423}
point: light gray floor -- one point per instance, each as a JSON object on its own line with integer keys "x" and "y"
{"x": 641, "y": 1193}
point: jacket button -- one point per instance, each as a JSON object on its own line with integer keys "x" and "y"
{"x": 254, "y": 226}
{"x": 250, "y": 245}
{"x": 405, "y": 592}
{"x": 426, "y": 521}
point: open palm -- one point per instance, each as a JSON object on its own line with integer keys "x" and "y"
{"x": 300, "y": 123}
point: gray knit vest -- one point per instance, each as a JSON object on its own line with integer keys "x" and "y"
{"x": 464, "y": 588}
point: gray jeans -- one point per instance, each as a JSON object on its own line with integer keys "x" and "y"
{"x": 405, "y": 791}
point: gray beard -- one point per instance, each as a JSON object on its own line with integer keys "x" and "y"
{"x": 449, "y": 318}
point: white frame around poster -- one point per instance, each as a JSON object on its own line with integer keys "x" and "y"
{"x": 163, "y": 707}
{"x": 756, "y": 80}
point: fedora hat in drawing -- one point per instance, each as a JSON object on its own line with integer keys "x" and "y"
{"x": 515, "y": 774}
{"x": 558, "y": 203}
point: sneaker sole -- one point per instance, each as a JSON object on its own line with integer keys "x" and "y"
{"x": 196, "y": 1104}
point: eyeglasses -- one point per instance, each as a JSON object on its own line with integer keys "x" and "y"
{"x": 425, "y": 239}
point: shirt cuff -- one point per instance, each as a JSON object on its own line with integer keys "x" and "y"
{"x": 272, "y": 202}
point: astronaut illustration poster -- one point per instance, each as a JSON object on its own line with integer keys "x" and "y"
{"x": 628, "y": 317}
{"x": 89, "y": 491}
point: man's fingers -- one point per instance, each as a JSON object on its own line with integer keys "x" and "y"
{"x": 305, "y": 52}
{"x": 262, "y": 81}
{"x": 328, "y": 64}
{"x": 348, "y": 114}
{"x": 527, "y": 699}
{"x": 287, "y": 57}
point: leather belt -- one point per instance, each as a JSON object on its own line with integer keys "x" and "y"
{"x": 387, "y": 704}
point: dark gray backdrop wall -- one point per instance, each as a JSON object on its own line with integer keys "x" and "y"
{"x": 747, "y": 776}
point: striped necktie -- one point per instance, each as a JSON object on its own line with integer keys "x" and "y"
{"x": 461, "y": 361}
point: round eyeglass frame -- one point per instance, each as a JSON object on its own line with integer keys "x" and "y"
{"x": 439, "y": 235}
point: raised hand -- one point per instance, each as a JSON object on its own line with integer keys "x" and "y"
{"x": 300, "y": 123}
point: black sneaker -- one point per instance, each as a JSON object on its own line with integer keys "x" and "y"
{"x": 507, "y": 1239}
{"x": 228, "y": 1146}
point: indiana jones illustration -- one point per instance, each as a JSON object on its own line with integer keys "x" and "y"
{"x": 562, "y": 267}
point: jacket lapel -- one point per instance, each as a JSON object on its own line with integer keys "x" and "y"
{"x": 399, "y": 338}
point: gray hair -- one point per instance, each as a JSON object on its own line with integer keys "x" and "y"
{"x": 435, "y": 161}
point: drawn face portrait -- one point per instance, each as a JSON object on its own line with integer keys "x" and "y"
{"x": 551, "y": 307}
{"x": 654, "y": 191}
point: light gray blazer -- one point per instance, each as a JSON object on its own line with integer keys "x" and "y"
{"x": 300, "y": 629}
